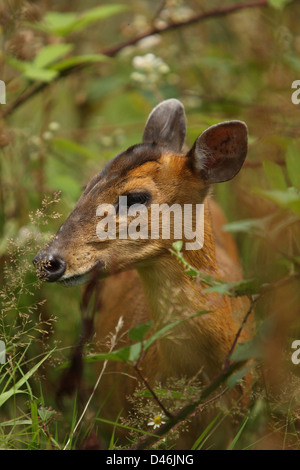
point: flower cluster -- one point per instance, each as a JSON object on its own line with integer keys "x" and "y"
{"x": 149, "y": 69}
{"x": 52, "y": 128}
{"x": 174, "y": 11}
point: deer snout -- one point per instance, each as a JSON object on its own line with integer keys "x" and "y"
{"x": 49, "y": 266}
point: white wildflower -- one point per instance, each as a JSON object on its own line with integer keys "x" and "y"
{"x": 47, "y": 135}
{"x": 149, "y": 68}
{"x": 149, "y": 42}
{"x": 54, "y": 126}
{"x": 157, "y": 421}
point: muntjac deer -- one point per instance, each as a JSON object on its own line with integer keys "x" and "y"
{"x": 146, "y": 280}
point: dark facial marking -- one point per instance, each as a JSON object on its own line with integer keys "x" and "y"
{"x": 119, "y": 166}
{"x": 133, "y": 157}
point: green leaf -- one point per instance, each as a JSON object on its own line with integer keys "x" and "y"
{"x": 275, "y": 175}
{"x": 238, "y": 435}
{"x": 239, "y": 375}
{"x": 292, "y": 159}
{"x": 278, "y": 4}
{"x": 162, "y": 332}
{"x": 46, "y": 57}
{"x": 254, "y": 226}
{"x": 126, "y": 354}
{"x": 199, "y": 442}
{"x": 113, "y": 441}
{"x": 293, "y": 62}
{"x": 192, "y": 272}
{"x": 17, "y": 64}
{"x": 45, "y": 414}
{"x": 16, "y": 422}
{"x": 138, "y": 332}
{"x": 78, "y": 60}
{"x": 41, "y": 75}
{"x": 132, "y": 352}
{"x": 15, "y": 389}
{"x": 98, "y": 14}
{"x": 58, "y": 22}
{"x": 66, "y": 23}
{"x": 236, "y": 289}
{"x": 50, "y": 54}
{"x": 249, "y": 350}
{"x": 289, "y": 199}
{"x": 122, "y": 426}
{"x": 35, "y": 424}
{"x": 177, "y": 245}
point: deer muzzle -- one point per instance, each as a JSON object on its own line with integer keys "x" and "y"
{"x": 50, "y": 266}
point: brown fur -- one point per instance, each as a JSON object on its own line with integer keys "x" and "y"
{"x": 199, "y": 347}
{"x": 148, "y": 281}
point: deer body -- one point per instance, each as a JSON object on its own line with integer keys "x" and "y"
{"x": 146, "y": 280}
{"x": 163, "y": 292}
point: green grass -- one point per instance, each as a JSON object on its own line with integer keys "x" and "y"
{"x": 78, "y": 109}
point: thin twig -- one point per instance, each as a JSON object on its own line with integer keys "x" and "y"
{"x": 112, "y": 51}
{"x": 236, "y": 338}
{"x": 147, "y": 385}
{"x": 47, "y": 433}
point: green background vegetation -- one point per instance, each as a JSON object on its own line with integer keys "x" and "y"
{"x": 75, "y": 97}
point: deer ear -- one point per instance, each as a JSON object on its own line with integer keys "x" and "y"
{"x": 219, "y": 152}
{"x": 166, "y": 125}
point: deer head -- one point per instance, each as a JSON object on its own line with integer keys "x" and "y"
{"x": 152, "y": 173}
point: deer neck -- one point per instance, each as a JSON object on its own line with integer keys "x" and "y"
{"x": 173, "y": 295}
{"x": 171, "y": 292}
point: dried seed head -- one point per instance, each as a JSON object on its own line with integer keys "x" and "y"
{"x": 24, "y": 45}
{"x": 31, "y": 13}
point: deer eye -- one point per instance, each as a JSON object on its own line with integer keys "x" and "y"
{"x": 137, "y": 198}
{"x": 134, "y": 198}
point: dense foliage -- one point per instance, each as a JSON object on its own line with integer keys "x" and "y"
{"x": 81, "y": 78}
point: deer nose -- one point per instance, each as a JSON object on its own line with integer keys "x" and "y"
{"x": 49, "y": 266}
